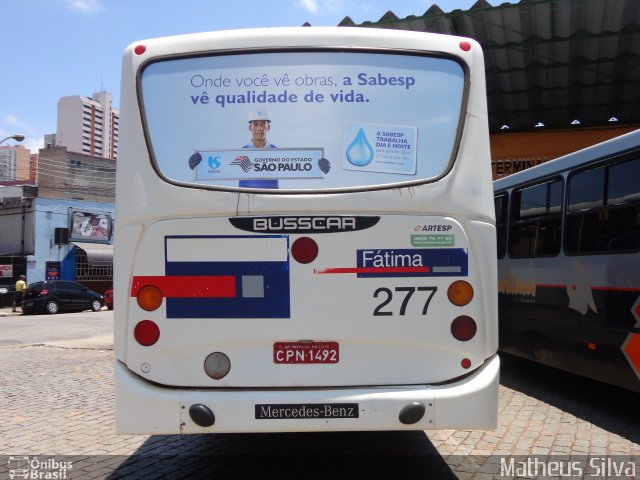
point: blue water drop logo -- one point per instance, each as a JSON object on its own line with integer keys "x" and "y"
{"x": 360, "y": 152}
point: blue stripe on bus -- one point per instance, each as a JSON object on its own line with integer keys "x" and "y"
{"x": 442, "y": 262}
{"x": 262, "y": 290}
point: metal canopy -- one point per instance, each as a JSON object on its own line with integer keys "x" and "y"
{"x": 97, "y": 253}
{"x": 557, "y": 63}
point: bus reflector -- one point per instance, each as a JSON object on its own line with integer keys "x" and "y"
{"x": 149, "y": 297}
{"x": 460, "y": 293}
{"x": 304, "y": 250}
{"x": 465, "y": 363}
{"x": 217, "y": 365}
{"x": 464, "y": 328}
{"x": 146, "y": 333}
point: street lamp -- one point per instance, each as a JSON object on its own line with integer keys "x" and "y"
{"x": 17, "y": 138}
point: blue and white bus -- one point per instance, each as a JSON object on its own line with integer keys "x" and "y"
{"x": 304, "y": 216}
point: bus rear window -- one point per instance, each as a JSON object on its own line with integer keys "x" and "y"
{"x": 312, "y": 120}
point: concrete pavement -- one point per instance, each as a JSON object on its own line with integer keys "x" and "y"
{"x": 6, "y": 311}
{"x": 57, "y": 402}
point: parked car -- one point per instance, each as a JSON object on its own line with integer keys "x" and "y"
{"x": 108, "y": 298}
{"x": 53, "y": 296}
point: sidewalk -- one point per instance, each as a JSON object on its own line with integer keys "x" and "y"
{"x": 6, "y": 312}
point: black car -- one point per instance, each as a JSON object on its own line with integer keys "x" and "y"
{"x": 53, "y": 296}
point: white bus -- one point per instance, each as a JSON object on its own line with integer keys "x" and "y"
{"x": 304, "y": 224}
{"x": 568, "y": 258}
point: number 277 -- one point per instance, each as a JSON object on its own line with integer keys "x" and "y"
{"x": 386, "y": 295}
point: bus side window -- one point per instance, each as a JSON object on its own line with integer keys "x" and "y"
{"x": 604, "y": 209}
{"x": 536, "y": 214}
{"x": 623, "y": 202}
{"x": 584, "y": 210}
{"x": 500, "y": 203}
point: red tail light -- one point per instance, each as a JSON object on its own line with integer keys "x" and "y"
{"x": 146, "y": 333}
{"x": 464, "y": 328}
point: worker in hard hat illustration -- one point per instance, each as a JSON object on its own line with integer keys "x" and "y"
{"x": 259, "y": 125}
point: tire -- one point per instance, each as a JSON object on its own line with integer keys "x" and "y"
{"x": 96, "y": 305}
{"x": 52, "y": 307}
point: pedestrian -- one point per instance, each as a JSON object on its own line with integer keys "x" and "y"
{"x": 21, "y": 286}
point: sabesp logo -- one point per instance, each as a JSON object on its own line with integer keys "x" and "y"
{"x": 214, "y": 162}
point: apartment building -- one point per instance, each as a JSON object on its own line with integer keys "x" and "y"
{"x": 15, "y": 164}
{"x": 63, "y": 174}
{"x": 88, "y": 125}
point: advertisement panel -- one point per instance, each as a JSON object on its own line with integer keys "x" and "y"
{"x": 303, "y": 120}
{"x": 90, "y": 226}
{"x": 52, "y": 270}
{"x": 6, "y": 271}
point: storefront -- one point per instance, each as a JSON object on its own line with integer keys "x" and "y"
{"x": 48, "y": 239}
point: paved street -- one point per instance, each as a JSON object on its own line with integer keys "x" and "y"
{"x": 58, "y": 394}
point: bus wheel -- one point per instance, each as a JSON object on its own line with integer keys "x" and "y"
{"x": 52, "y": 307}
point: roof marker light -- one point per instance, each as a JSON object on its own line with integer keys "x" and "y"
{"x": 140, "y": 49}
{"x": 465, "y": 46}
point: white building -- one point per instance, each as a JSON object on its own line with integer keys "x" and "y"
{"x": 88, "y": 125}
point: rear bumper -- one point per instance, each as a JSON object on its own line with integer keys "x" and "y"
{"x": 36, "y": 305}
{"x": 146, "y": 408}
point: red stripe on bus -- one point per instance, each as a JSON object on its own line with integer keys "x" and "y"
{"x": 374, "y": 270}
{"x": 187, "y": 286}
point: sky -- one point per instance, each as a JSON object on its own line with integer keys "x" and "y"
{"x": 55, "y": 48}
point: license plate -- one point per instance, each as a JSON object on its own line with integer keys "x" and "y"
{"x": 270, "y": 411}
{"x": 306, "y": 352}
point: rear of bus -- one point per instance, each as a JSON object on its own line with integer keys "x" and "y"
{"x": 305, "y": 234}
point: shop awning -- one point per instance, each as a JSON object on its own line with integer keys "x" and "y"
{"x": 97, "y": 253}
